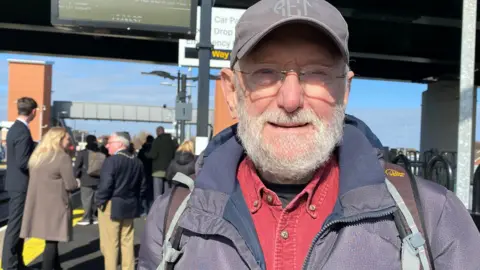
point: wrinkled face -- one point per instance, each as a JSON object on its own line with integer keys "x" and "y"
{"x": 289, "y": 95}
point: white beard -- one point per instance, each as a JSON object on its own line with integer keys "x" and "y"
{"x": 291, "y": 158}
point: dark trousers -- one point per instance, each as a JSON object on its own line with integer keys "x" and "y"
{"x": 12, "y": 257}
{"x": 160, "y": 186}
{"x": 148, "y": 200}
{"x": 88, "y": 197}
{"x": 51, "y": 260}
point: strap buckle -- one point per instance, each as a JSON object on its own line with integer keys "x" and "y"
{"x": 415, "y": 241}
{"x": 171, "y": 255}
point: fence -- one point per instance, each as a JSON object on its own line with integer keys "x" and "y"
{"x": 432, "y": 165}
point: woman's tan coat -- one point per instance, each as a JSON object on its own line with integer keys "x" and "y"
{"x": 48, "y": 212}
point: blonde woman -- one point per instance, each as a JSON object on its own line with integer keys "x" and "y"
{"x": 48, "y": 213}
{"x": 183, "y": 162}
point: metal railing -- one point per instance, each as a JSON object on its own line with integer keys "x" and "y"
{"x": 403, "y": 161}
{"x": 440, "y": 170}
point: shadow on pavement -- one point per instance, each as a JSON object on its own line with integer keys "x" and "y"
{"x": 81, "y": 251}
{"x": 95, "y": 263}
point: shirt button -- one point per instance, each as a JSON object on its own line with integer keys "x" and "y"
{"x": 255, "y": 203}
{"x": 284, "y": 234}
{"x": 312, "y": 207}
{"x": 269, "y": 199}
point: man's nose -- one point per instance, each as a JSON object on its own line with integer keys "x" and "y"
{"x": 290, "y": 96}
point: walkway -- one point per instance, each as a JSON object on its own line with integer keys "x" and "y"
{"x": 82, "y": 253}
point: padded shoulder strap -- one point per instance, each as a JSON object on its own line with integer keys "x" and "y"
{"x": 171, "y": 234}
{"x": 179, "y": 193}
{"x": 403, "y": 187}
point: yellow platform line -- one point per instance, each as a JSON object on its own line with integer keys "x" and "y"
{"x": 34, "y": 247}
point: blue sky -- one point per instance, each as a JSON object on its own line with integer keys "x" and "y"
{"x": 391, "y": 109}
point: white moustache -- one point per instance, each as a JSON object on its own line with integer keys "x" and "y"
{"x": 300, "y": 117}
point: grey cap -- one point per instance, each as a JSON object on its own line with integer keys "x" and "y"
{"x": 266, "y": 15}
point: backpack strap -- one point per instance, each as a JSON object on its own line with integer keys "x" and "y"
{"x": 171, "y": 233}
{"x": 402, "y": 185}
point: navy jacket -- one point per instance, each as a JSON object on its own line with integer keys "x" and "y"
{"x": 19, "y": 149}
{"x": 122, "y": 181}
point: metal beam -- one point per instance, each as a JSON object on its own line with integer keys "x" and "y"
{"x": 204, "y": 51}
{"x": 422, "y": 20}
{"x": 466, "y": 132}
{"x": 401, "y": 58}
{"x": 117, "y": 112}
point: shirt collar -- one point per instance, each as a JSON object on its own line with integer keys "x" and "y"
{"x": 256, "y": 191}
{"x": 23, "y": 121}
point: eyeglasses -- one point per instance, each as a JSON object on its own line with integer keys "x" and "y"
{"x": 268, "y": 80}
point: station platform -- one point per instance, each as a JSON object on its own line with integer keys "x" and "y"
{"x": 81, "y": 253}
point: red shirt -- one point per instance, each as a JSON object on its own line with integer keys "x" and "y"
{"x": 286, "y": 234}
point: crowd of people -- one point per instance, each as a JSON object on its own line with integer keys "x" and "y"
{"x": 117, "y": 184}
{"x": 296, "y": 184}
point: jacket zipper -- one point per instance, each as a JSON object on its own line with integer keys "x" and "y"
{"x": 357, "y": 218}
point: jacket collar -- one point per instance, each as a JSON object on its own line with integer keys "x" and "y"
{"x": 361, "y": 187}
{"x": 358, "y": 161}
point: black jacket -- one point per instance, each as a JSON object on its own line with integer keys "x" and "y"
{"x": 184, "y": 162}
{"x": 147, "y": 162}
{"x": 372, "y": 138}
{"x": 19, "y": 149}
{"x": 122, "y": 181}
{"x": 81, "y": 166}
{"x": 104, "y": 150}
{"x": 162, "y": 152}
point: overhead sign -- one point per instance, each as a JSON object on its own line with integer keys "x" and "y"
{"x": 224, "y": 21}
{"x": 152, "y": 18}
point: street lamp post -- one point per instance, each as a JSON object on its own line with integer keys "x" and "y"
{"x": 181, "y": 91}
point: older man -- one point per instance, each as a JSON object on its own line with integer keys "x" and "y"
{"x": 120, "y": 192}
{"x": 310, "y": 193}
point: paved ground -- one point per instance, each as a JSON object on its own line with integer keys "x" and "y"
{"x": 80, "y": 254}
{"x": 84, "y": 252}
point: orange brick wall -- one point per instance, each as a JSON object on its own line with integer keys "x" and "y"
{"x": 31, "y": 79}
{"x": 221, "y": 113}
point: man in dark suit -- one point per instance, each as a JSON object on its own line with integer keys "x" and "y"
{"x": 20, "y": 146}
{"x": 119, "y": 195}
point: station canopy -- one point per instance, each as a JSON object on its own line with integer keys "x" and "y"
{"x": 398, "y": 40}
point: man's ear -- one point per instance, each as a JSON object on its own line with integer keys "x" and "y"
{"x": 350, "y": 76}
{"x": 228, "y": 87}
